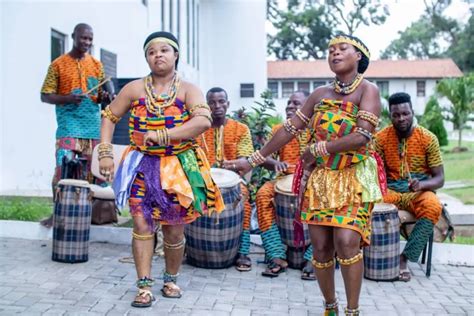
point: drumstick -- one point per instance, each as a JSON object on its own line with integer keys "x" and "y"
{"x": 97, "y": 86}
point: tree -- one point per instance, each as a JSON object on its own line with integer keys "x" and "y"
{"x": 460, "y": 92}
{"x": 435, "y": 35}
{"x": 433, "y": 120}
{"x": 306, "y": 26}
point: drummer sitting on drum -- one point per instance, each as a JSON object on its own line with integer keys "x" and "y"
{"x": 288, "y": 157}
{"x": 229, "y": 140}
{"x": 414, "y": 168}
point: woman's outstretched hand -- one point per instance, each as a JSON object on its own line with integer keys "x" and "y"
{"x": 241, "y": 165}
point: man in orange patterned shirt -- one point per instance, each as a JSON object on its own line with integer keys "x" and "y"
{"x": 229, "y": 140}
{"x": 69, "y": 77}
{"x": 414, "y": 168}
{"x": 288, "y": 157}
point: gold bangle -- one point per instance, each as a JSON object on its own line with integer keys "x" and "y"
{"x": 322, "y": 265}
{"x": 195, "y": 107}
{"x": 107, "y": 113}
{"x": 349, "y": 261}
{"x": 302, "y": 117}
{"x": 142, "y": 237}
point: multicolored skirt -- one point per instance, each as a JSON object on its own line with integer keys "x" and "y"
{"x": 169, "y": 189}
{"x": 343, "y": 198}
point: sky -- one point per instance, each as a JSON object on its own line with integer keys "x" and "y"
{"x": 402, "y": 14}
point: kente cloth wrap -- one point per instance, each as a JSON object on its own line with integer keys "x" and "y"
{"x": 271, "y": 238}
{"x": 412, "y": 157}
{"x": 230, "y": 142}
{"x": 65, "y": 76}
{"x": 170, "y": 184}
{"x": 343, "y": 187}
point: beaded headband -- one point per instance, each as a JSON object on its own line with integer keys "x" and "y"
{"x": 353, "y": 42}
{"x": 161, "y": 40}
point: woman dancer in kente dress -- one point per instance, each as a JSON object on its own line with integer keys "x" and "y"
{"x": 164, "y": 175}
{"x": 342, "y": 184}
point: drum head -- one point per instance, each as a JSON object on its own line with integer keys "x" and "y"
{"x": 74, "y": 182}
{"x": 224, "y": 178}
{"x": 104, "y": 193}
{"x": 284, "y": 185}
{"x": 384, "y": 208}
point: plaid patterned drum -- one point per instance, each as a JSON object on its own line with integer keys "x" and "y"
{"x": 72, "y": 221}
{"x": 382, "y": 257}
{"x": 212, "y": 242}
{"x": 285, "y": 206}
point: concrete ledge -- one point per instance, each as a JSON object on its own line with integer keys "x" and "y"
{"x": 443, "y": 253}
{"x": 34, "y": 231}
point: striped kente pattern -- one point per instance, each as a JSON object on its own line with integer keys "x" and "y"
{"x": 142, "y": 121}
{"x": 334, "y": 119}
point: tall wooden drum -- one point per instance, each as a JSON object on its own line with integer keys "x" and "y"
{"x": 212, "y": 242}
{"x": 382, "y": 257}
{"x": 286, "y": 206}
{"x": 72, "y": 221}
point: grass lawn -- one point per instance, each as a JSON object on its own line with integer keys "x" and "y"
{"x": 460, "y": 166}
{"x": 25, "y": 208}
{"x": 461, "y": 240}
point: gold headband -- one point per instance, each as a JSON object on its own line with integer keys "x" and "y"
{"x": 161, "y": 40}
{"x": 348, "y": 40}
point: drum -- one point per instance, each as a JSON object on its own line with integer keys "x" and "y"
{"x": 71, "y": 221}
{"x": 382, "y": 257}
{"x": 285, "y": 207}
{"x": 212, "y": 242}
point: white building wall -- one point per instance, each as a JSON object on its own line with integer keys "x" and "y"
{"x": 27, "y": 132}
{"x": 233, "y": 47}
{"x": 27, "y": 129}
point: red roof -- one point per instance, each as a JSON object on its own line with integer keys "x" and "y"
{"x": 387, "y": 69}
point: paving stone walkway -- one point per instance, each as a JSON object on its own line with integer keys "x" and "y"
{"x": 32, "y": 284}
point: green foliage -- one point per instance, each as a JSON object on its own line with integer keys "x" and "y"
{"x": 460, "y": 92}
{"x": 259, "y": 122}
{"x": 435, "y": 35}
{"x": 25, "y": 208}
{"x": 432, "y": 119}
{"x": 306, "y": 26}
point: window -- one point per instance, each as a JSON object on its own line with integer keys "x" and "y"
{"x": 383, "y": 88}
{"x": 273, "y": 87}
{"x": 58, "y": 44}
{"x": 188, "y": 32}
{"x": 163, "y": 15}
{"x": 171, "y": 16}
{"x": 287, "y": 89}
{"x": 246, "y": 90}
{"x": 318, "y": 84}
{"x": 420, "y": 88}
{"x": 109, "y": 60}
{"x": 303, "y": 86}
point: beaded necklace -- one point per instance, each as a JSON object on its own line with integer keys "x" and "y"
{"x": 154, "y": 103}
{"x": 347, "y": 88}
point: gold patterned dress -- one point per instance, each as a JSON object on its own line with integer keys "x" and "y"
{"x": 342, "y": 189}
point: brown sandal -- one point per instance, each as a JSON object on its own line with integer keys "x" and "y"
{"x": 143, "y": 293}
{"x": 171, "y": 290}
{"x": 308, "y": 272}
{"x": 243, "y": 263}
{"x": 274, "y": 269}
{"x": 404, "y": 275}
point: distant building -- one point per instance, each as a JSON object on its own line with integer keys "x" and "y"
{"x": 217, "y": 49}
{"x": 415, "y": 77}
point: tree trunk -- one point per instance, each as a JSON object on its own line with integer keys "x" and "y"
{"x": 460, "y": 137}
